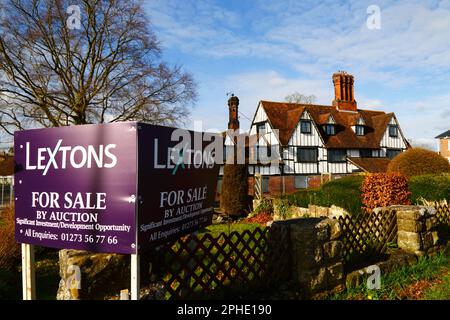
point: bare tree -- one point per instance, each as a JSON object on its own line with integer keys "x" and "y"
{"x": 68, "y": 62}
{"x": 424, "y": 144}
{"x": 297, "y": 97}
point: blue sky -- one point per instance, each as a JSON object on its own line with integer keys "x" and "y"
{"x": 261, "y": 49}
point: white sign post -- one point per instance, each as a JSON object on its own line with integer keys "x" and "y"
{"x": 135, "y": 277}
{"x": 28, "y": 273}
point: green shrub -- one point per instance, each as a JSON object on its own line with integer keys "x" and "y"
{"x": 234, "y": 195}
{"x": 385, "y": 189}
{"x": 344, "y": 192}
{"x": 430, "y": 187}
{"x": 264, "y": 206}
{"x": 9, "y": 285}
{"x": 301, "y": 198}
{"x": 419, "y": 161}
{"x": 282, "y": 207}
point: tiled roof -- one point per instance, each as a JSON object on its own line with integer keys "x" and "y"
{"x": 446, "y": 134}
{"x": 285, "y": 117}
{"x": 371, "y": 165}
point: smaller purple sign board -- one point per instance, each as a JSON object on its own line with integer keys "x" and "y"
{"x": 101, "y": 188}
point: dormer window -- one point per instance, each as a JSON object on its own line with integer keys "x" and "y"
{"x": 359, "y": 126}
{"x": 305, "y": 126}
{"x": 393, "y": 131}
{"x": 329, "y": 129}
{"x": 359, "y": 130}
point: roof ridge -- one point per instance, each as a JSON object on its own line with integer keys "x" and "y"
{"x": 320, "y": 106}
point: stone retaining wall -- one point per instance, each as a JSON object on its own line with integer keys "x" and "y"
{"x": 417, "y": 230}
{"x": 307, "y": 252}
{"x": 316, "y": 255}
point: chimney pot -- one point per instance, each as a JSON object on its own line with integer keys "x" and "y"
{"x": 344, "y": 94}
{"x": 233, "y": 104}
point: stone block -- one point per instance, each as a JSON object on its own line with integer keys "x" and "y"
{"x": 409, "y": 241}
{"x": 335, "y": 275}
{"x": 299, "y": 212}
{"x": 307, "y": 258}
{"x": 354, "y": 279}
{"x": 304, "y": 231}
{"x": 336, "y": 212}
{"x": 410, "y": 225}
{"x": 334, "y": 228}
{"x": 413, "y": 214}
{"x": 314, "y": 280}
{"x": 323, "y": 234}
{"x": 322, "y": 212}
{"x": 429, "y": 239}
{"x": 100, "y": 274}
{"x": 430, "y": 223}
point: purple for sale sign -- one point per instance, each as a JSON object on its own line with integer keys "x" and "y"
{"x": 119, "y": 188}
{"x": 75, "y": 187}
{"x": 177, "y": 182}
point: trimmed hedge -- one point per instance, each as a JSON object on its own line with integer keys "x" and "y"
{"x": 385, "y": 189}
{"x": 431, "y": 187}
{"x": 234, "y": 195}
{"x": 344, "y": 192}
{"x": 415, "y": 162}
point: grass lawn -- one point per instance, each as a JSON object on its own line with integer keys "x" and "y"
{"x": 420, "y": 281}
{"x": 227, "y": 228}
{"x": 440, "y": 290}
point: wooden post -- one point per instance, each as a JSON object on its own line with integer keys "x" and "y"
{"x": 258, "y": 186}
{"x": 135, "y": 277}
{"x": 11, "y": 185}
{"x": 28, "y": 274}
{"x": 3, "y": 192}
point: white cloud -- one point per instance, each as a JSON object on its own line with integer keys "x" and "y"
{"x": 408, "y": 60}
{"x": 253, "y": 87}
{"x": 412, "y": 35}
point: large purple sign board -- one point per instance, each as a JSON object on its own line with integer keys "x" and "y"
{"x": 118, "y": 188}
{"x": 177, "y": 183}
{"x": 75, "y": 187}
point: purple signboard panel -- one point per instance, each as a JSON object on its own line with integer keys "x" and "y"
{"x": 75, "y": 187}
{"x": 176, "y": 183}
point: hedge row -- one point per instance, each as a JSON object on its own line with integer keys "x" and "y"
{"x": 346, "y": 192}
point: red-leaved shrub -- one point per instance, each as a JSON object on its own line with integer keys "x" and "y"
{"x": 261, "y": 218}
{"x": 385, "y": 189}
{"x": 9, "y": 249}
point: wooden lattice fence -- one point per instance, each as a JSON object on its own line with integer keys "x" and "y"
{"x": 368, "y": 235}
{"x": 199, "y": 266}
{"x": 442, "y": 214}
{"x": 443, "y": 220}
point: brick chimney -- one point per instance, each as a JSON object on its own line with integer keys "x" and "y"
{"x": 344, "y": 93}
{"x": 233, "y": 104}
